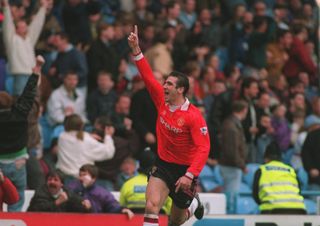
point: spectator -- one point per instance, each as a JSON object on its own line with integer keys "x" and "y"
{"x": 76, "y": 147}
{"x": 299, "y": 58}
{"x": 311, "y": 156}
{"x": 68, "y": 59}
{"x": 20, "y": 41}
{"x": 66, "y": 100}
{"x": 54, "y": 197}
{"x": 188, "y": 15}
{"x": 102, "y": 55}
{"x": 277, "y": 55}
{"x": 132, "y": 193}
{"x": 276, "y": 187}
{"x": 144, "y": 115}
{"x": 219, "y": 108}
{"x": 311, "y": 123}
{"x": 50, "y": 28}
{"x": 102, "y": 100}
{"x": 14, "y": 133}
{"x": 76, "y": 22}
{"x": 102, "y": 201}
{"x": 265, "y": 135}
{"x": 140, "y": 12}
{"x": 120, "y": 117}
{"x": 109, "y": 169}
{"x": 249, "y": 91}
{"x": 282, "y": 133}
{"x": 94, "y": 9}
{"x": 159, "y": 55}
{"x": 147, "y": 36}
{"x": 258, "y": 40}
{"x": 50, "y": 158}
{"x": 8, "y": 192}
{"x": 128, "y": 169}
{"x": 233, "y": 152}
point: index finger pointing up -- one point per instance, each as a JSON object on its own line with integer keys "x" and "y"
{"x": 135, "y": 30}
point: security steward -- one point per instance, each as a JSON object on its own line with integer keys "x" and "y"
{"x": 276, "y": 187}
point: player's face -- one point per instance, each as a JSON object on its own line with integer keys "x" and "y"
{"x": 170, "y": 89}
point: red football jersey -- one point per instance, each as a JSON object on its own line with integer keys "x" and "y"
{"x": 182, "y": 135}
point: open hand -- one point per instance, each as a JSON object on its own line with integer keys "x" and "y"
{"x": 183, "y": 183}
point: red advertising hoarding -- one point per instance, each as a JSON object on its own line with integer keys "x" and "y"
{"x": 65, "y": 219}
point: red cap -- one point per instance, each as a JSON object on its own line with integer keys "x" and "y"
{"x": 1, "y": 17}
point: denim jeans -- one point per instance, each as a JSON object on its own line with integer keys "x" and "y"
{"x": 231, "y": 183}
{"x": 19, "y": 82}
{"x": 18, "y": 175}
{"x": 2, "y": 74}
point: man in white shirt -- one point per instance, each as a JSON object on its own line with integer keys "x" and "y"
{"x": 66, "y": 100}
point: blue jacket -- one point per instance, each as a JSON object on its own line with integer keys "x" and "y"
{"x": 102, "y": 201}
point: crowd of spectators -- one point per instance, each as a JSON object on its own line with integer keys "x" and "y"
{"x": 93, "y": 108}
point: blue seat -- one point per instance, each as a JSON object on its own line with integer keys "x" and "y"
{"x": 244, "y": 188}
{"x": 302, "y": 176}
{"x": 249, "y": 176}
{"x": 217, "y": 175}
{"x": 46, "y": 131}
{"x": 9, "y": 84}
{"x": 207, "y": 179}
{"x": 311, "y": 206}
{"x": 246, "y": 205}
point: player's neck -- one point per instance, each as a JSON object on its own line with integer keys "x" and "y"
{"x": 177, "y": 102}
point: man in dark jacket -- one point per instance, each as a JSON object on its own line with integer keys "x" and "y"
{"x": 311, "y": 156}
{"x": 102, "y": 55}
{"x": 14, "y": 133}
{"x": 233, "y": 152}
{"x": 53, "y": 197}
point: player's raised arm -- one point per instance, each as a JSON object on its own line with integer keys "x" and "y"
{"x": 155, "y": 89}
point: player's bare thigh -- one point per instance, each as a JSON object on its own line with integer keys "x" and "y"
{"x": 156, "y": 194}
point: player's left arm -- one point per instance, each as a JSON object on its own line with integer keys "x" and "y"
{"x": 200, "y": 136}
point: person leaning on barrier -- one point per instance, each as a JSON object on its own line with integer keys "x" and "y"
{"x": 276, "y": 187}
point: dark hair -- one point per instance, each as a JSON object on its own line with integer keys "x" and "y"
{"x": 102, "y": 27}
{"x": 258, "y": 21}
{"x": 6, "y": 100}
{"x": 104, "y": 73}
{"x": 238, "y": 106}
{"x": 182, "y": 81}
{"x": 297, "y": 28}
{"x": 281, "y": 33}
{"x": 246, "y": 83}
{"x": 70, "y": 72}
{"x": 91, "y": 169}
{"x": 74, "y": 123}
{"x": 63, "y": 35}
{"x": 171, "y": 4}
{"x": 273, "y": 151}
{"x": 55, "y": 173}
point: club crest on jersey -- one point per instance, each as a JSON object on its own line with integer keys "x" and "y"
{"x": 180, "y": 121}
{"x": 204, "y": 130}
